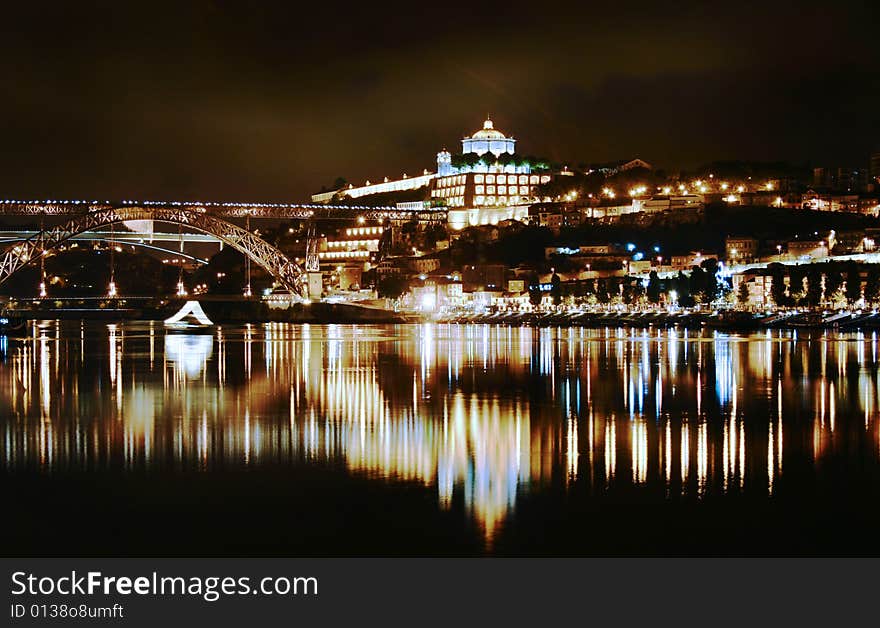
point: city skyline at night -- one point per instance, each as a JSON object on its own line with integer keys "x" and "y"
{"x": 460, "y": 312}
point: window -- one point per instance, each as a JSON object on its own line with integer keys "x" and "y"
{"x": 490, "y": 178}
{"x": 478, "y": 178}
{"x": 479, "y": 189}
{"x": 490, "y": 189}
{"x": 533, "y": 179}
{"x": 502, "y": 178}
{"x": 478, "y": 200}
{"x": 502, "y": 189}
{"x": 523, "y": 178}
{"x": 523, "y": 189}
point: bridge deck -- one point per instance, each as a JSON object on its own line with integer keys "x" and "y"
{"x": 290, "y": 211}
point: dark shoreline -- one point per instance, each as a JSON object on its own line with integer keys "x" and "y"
{"x": 225, "y": 312}
{"x": 728, "y": 320}
{"x": 220, "y": 311}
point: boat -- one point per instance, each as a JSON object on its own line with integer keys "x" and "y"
{"x": 807, "y": 320}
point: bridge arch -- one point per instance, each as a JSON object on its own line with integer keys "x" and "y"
{"x": 287, "y": 272}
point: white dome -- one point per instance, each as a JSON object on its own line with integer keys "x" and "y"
{"x": 488, "y": 132}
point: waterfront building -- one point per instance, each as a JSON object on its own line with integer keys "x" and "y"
{"x": 347, "y": 255}
{"x": 694, "y": 258}
{"x": 808, "y": 249}
{"x": 759, "y": 287}
{"x": 740, "y": 249}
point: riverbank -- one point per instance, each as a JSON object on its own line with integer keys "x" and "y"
{"x": 732, "y": 320}
{"x": 218, "y": 310}
{"x": 223, "y": 311}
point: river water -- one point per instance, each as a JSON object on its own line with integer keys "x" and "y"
{"x": 279, "y": 439}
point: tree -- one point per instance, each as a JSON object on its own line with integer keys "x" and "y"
{"x": 853, "y": 283}
{"x": 433, "y": 234}
{"x": 814, "y": 288}
{"x": 633, "y": 291}
{"x": 602, "y": 294}
{"x": 796, "y": 277}
{"x": 698, "y": 283}
{"x": 713, "y": 288}
{"x": 536, "y": 295}
{"x": 833, "y": 282}
{"x": 777, "y": 284}
{"x": 743, "y": 293}
{"x": 872, "y": 284}
{"x": 655, "y": 287}
{"x": 682, "y": 287}
{"x": 556, "y": 289}
{"x": 465, "y": 160}
{"x": 391, "y": 286}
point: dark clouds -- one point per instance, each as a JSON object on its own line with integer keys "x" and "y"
{"x": 224, "y": 100}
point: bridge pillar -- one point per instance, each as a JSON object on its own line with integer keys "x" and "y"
{"x": 316, "y": 285}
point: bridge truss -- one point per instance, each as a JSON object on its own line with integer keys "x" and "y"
{"x": 229, "y": 210}
{"x": 284, "y": 270}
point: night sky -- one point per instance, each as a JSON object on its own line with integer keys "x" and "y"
{"x": 225, "y": 101}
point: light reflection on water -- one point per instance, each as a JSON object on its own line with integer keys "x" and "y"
{"x": 477, "y": 413}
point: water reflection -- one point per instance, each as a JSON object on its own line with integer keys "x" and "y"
{"x": 479, "y": 414}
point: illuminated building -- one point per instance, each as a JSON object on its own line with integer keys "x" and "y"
{"x": 481, "y": 191}
{"x": 744, "y": 249}
{"x": 808, "y": 249}
{"x": 758, "y": 289}
{"x": 405, "y": 183}
{"x": 487, "y": 189}
{"x": 669, "y": 202}
{"x": 694, "y": 258}
{"x": 349, "y": 254}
